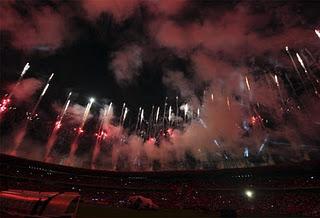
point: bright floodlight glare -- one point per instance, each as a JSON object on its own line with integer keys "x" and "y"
{"x": 249, "y": 193}
{"x": 91, "y": 100}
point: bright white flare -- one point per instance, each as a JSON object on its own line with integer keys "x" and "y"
{"x": 45, "y": 89}
{"x": 170, "y": 111}
{"x": 247, "y": 83}
{"x": 142, "y": 115}
{"x": 228, "y": 103}
{"x": 276, "y": 80}
{"x": 317, "y": 32}
{"x": 125, "y": 114}
{"x": 86, "y": 113}
{"x": 157, "y": 114}
{"x": 249, "y": 193}
{"x": 109, "y": 109}
{"x": 26, "y": 67}
{"x": 301, "y": 62}
{"x": 51, "y": 76}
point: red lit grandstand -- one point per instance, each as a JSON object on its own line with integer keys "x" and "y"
{"x": 267, "y": 191}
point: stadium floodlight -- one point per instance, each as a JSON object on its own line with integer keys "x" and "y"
{"x": 249, "y": 193}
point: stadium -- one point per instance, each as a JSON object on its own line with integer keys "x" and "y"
{"x": 265, "y": 191}
{"x": 159, "y": 108}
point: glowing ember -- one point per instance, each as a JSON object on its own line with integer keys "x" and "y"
{"x": 4, "y": 104}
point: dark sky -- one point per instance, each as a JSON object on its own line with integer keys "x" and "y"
{"x": 122, "y": 50}
{"x": 140, "y": 51}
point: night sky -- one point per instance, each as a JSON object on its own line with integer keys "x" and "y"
{"x": 79, "y": 41}
{"x": 142, "y": 51}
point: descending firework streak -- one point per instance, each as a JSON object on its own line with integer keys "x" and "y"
{"x": 294, "y": 65}
{"x": 138, "y": 117}
{"x": 122, "y": 113}
{"x": 248, "y": 84}
{"x": 53, "y": 136}
{"x": 33, "y": 112}
{"x": 26, "y": 67}
{"x": 30, "y": 116}
{"x": 317, "y": 33}
{"x": 5, "y": 102}
{"x": 308, "y": 76}
{"x": 125, "y": 115}
{"x": 74, "y": 144}
{"x": 101, "y": 135}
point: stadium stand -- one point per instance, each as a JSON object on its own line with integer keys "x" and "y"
{"x": 265, "y": 191}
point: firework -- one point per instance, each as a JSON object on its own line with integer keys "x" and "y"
{"x": 64, "y": 110}
{"x": 169, "y": 116}
{"x": 177, "y": 106}
{"x": 74, "y": 144}
{"x": 317, "y": 33}
{"x": 33, "y": 112}
{"x": 109, "y": 110}
{"x": 86, "y": 113}
{"x": 138, "y": 119}
{"x": 124, "y": 115}
{"x": 5, "y": 102}
{"x": 53, "y": 136}
{"x": 294, "y": 64}
{"x": 228, "y": 103}
{"x": 122, "y": 111}
{"x": 157, "y": 114}
{"x": 25, "y": 69}
{"x": 185, "y": 109}
{"x": 101, "y": 135}
{"x": 276, "y": 80}
{"x": 247, "y": 83}
{"x": 301, "y": 63}
{"x": 142, "y": 116}
{"x": 164, "y": 111}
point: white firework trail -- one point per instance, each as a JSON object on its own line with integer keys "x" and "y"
{"x": 26, "y": 67}
{"x": 248, "y": 84}
{"x": 276, "y": 80}
{"x": 142, "y": 115}
{"x": 228, "y": 103}
{"x": 301, "y": 63}
{"x": 109, "y": 109}
{"x": 138, "y": 119}
{"x": 169, "y": 116}
{"x": 293, "y": 63}
{"x": 124, "y": 115}
{"x": 63, "y": 112}
{"x": 86, "y": 113}
{"x": 40, "y": 97}
{"x": 157, "y": 114}
{"x": 317, "y": 32}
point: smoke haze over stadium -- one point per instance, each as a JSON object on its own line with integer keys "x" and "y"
{"x": 242, "y": 75}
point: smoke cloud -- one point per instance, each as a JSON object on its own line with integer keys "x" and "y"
{"x": 25, "y": 89}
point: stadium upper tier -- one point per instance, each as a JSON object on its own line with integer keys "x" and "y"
{"x": 29, "y": 169}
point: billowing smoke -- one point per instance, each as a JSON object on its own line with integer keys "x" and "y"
{"x": 32, "y": 30}
{"x": 127, "y": 63}
{"x": 253, "y": 99}
{"x": 25, "y": 89}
